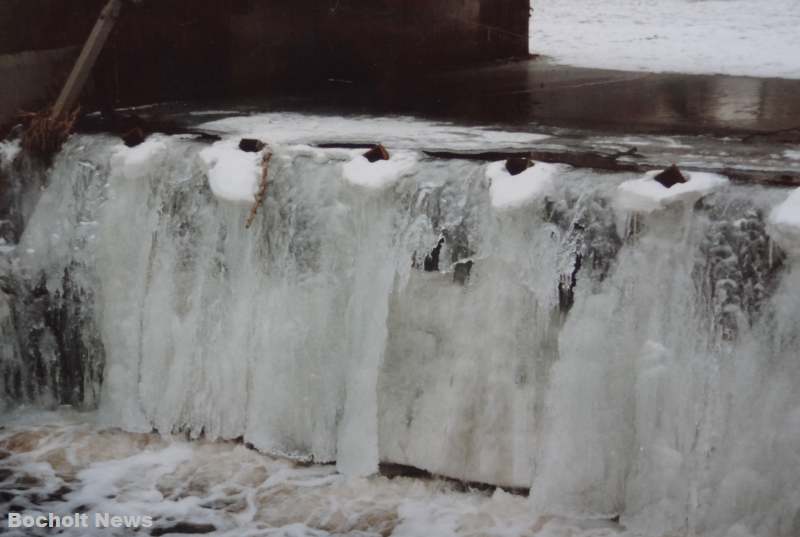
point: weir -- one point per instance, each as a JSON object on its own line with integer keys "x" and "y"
{"x": 632, "y": 359}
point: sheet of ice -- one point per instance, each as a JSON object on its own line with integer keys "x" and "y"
{"x": 397, "y": 132}
{"x": 136, "y": 162}
{"x": 646, "y": 194}
{"x": 512, "y": 191}
{"x": 737, "y": 37}
{"x": 379, "y": 174}
{"x": 233, "y": 174}
{"x": 784, "y": 223}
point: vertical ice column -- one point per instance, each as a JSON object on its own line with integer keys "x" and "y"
{"x": 640, "y": 317}
{"x": 125, "y": 240}
{"x": 375, "y": 238}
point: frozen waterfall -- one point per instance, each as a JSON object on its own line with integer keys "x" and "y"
{"x": 645, "y": 364}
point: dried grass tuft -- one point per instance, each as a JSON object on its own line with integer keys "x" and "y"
{"x": 262, "y": 190}
{"x": 44, "y": 135}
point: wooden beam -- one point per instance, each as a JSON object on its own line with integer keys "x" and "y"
{"x": 625, "y": 162}
{"x": 72, "y": 90}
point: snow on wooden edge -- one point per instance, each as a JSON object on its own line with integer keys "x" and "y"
{"x": 646, "y": 195}
{"x": 511, "y": 191}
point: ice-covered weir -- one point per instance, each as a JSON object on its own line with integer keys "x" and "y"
{"x": 618, "y": 349}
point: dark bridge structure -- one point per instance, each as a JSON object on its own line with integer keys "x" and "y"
{"x": 188, "y": 50}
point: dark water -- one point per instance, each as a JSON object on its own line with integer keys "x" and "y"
{"x": 536, "y": 92}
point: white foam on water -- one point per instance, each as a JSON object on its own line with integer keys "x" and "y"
{"x": 73, "y": 464}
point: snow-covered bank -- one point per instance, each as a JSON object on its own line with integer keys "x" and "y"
{"x": 735, "y": 37}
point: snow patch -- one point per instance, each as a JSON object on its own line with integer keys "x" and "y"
{"x": 511, "y": 191}
{"x": 317, "y": 154}
{"x": 735, "y": 37}
{"x": 647, "y": 195}
{"x": 233, "y": 174}
{"x": 784, "y": 224}
{"x": 792, "y": 154}
{"x": 397, "y": 132}
{"x": 380, "y": 174}
{"x": 135, "y": 162}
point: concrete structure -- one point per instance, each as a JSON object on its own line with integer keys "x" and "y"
{"x": 183, "y": 49}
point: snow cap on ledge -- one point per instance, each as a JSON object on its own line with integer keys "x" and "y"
{"x": 646, "y": 195}
{"x": 783, "y": 224}
{"x": 513, "y": 191}
{"x": 379, "y": 174}
{"x": 135, "y": 162}
{"x": 233, "y": 175}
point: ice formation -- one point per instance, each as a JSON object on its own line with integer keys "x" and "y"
{"x": 647, "y": 195}
{"x": 9, "y": 149}
{"x": 652, "y": 377}
{"x": 784, "y": 222}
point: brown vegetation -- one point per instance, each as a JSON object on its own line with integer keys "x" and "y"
{"x": 44, "y": 135}
{"x": 262, "y": 190}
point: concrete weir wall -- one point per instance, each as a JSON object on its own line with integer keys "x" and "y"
{"x": 184, "y": 49}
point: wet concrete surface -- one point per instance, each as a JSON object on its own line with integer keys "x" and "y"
{"x": 546, "y": 93}
{"x": 536, "y": 92}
